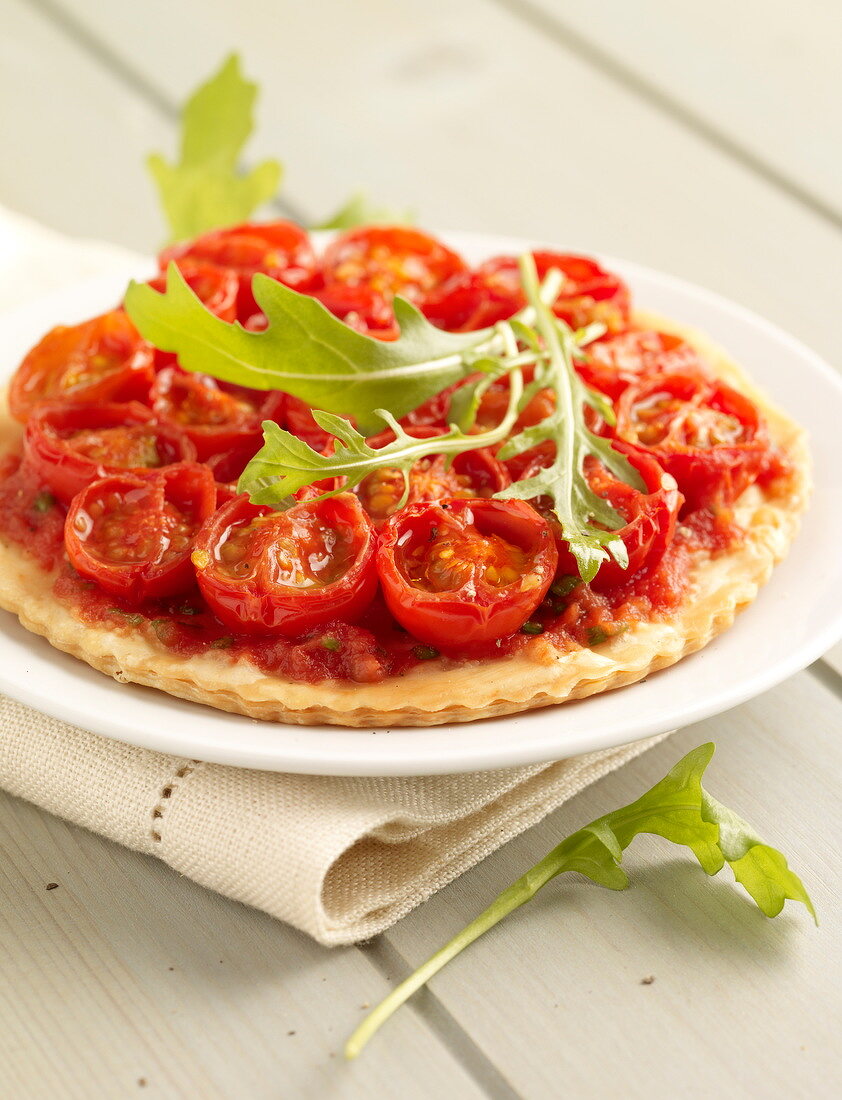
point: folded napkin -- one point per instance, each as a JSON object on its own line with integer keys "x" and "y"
{"x": 340, "y": 858}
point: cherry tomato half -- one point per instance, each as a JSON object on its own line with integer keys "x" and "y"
{"x": 133, "y": 535}
{"x": 650, "y": 517}
{"x": 280, "y": 249}
{"x": 287, "y": 572}
{"x": 495, "y": 403}
{"x": 361, "y": 307}
{"x": 589, "y": 292}
{"x": 390, "y": 260}
{"x": 215, "y": 418}
{"x": 458, "y": 572}
{"x": 711, "y": 438}
{"x": 99, "y": 360}
{"x": 621, "y": 358}
{"x": 471, "y": 474}
{"x": 469, "y": 301}
{"x": 72, "y": 445}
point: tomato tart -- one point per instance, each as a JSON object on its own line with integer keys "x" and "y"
{"x": 583, "y": 494}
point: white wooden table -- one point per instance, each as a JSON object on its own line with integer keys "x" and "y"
{"x": 701, "y": 139}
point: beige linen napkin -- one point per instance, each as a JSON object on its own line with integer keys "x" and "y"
{"x": 340, "y": 858}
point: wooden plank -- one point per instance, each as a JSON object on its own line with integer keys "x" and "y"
{"x": 762, "y": 74}
{"x": 480, "y": 122}
{"x": 741, "y": 1006}
{"x": 75, "y": 147}
{"x": 127, "y": 973}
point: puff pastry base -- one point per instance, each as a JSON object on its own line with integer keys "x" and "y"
{"x": 537, "y": 676}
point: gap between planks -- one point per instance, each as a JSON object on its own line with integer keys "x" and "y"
{"x": 627, "y": 77}
{"x": 389, "y": 961}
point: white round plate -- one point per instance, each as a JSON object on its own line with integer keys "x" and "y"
{"x": 796, "y": 617}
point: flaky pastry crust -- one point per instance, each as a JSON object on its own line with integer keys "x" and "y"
{"x": 537, "y": 676}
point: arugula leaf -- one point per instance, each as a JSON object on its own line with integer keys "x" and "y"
{"x": 286, "y": 463}
{"x": 308, "y": 352}
{"x": 359, "y": 211}
{"x": 588, "y": 522}
{"x": 677, "y": 808}
{"x": 204, "y": 190}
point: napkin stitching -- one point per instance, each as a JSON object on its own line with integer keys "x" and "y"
{"x": 167, "y": 792}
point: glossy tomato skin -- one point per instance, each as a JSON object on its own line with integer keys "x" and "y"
{"x": 214, "y": 417}
{"x": 280, "y": 249}
{"x": 217, "y": 288}
{"x": 361, "y": 307}
{"x": 390, "y": 260}
{"x": 590, "y": 292}
{"x": 298, "y": 420}
{"x": 470, "y": 474}
{"x": 650, "y": 518}
{"x": 133, "y": 536}
{"x": 621, "y": 359}
{"x": 470, "y": 537}
{"x": 72, "y": 445}
{"x": 244, "y": 552}
{"x": 469, "y": 301}
{"x": 100, "y": 360}
{"x": 710, "y": 437}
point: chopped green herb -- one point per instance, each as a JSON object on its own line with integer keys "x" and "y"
{"x": 532, "y": 628}
{"x": 597, "y": 635}
{"x": 333, "y": 644}
{"x": 425, "y": 652}
{"x": 678, "y": 809}
{"x": 225, "y": 642}
{"x": 131, "y": 617}
{"x": 44, "y": 502}
{"x": 564, "y": 585}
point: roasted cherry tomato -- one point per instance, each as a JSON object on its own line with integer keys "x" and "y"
{"x": 650, "y": 516}
{"x": 297, "y": 418}
{"x": 471, "y": 474}
{"x": 589, "y": 292}
{"x": 216, "y": 287}
{"x": 495, "y": 403}
{"x": 133, "y": 535}
{"x": 99, "y": 360}
{"x": 229, "y": 464}
{"x": 470, "y": 301}
{"x": 287, "y": 572}
{"x": 711, "y": 438}
{"x": 621, "y": 358}
{"x": 72, "y": 445}
{"x": 434, "y": 411}
{"x": 390, "y": 260}
{"x": 360, "y": 307}
{"x": 281, "y": 250}
{"x": 459, "y": 572}
{"x": 215, "y": 418}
